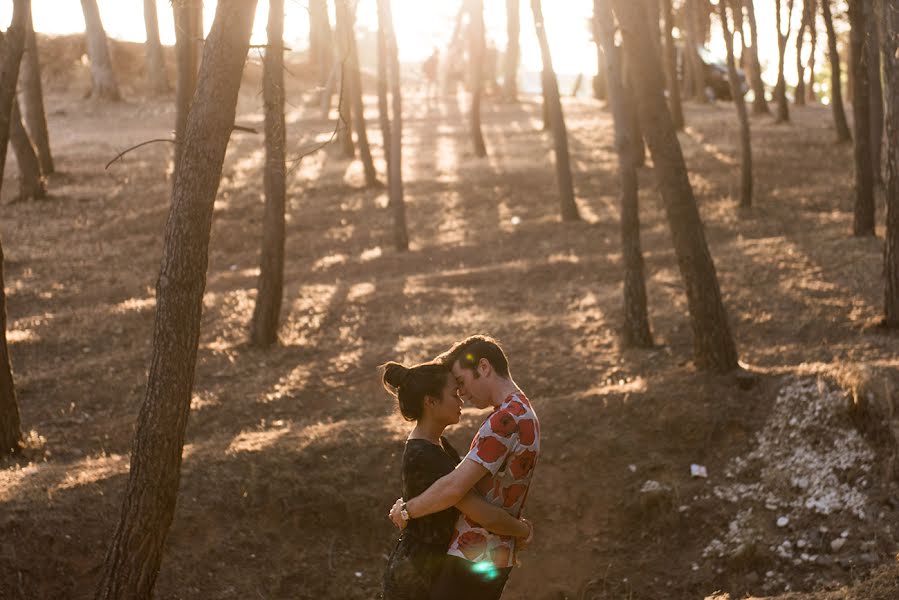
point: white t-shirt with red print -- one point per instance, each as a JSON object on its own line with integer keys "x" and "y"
{"x": 507, "y": 445}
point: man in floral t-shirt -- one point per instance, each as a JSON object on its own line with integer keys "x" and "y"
{"x": 499, "y": 465}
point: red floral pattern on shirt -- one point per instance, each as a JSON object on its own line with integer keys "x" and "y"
{"x": 507, "y": 445}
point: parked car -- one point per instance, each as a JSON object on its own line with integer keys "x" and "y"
{"x": 717, "y": 83}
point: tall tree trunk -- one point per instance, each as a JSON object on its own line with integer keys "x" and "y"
{"x": 31, "y": 97}
{"x": 568, "y": 206}
{"x": 889, "y": 41}
{"x": 388, "y": 56}
{"x": 740, "y": 104}
{"x": 674, "y": 99}
{"x": 267, "y": 311}
{"x": 799, "y": 95}
{"x": 31, "y": 181}
{"x": 135, "y": 552}
{"x": 810, "y": 94}
{"x": 759, "y": 102}
{"x": 103, "y": 79}
{"x": 157, "y": 79}
{"x": 600, "y": 84}
{"x": 188, "y": 16}
{"x": 713, "y": 344}
{"x": 345, "y": 102}
{"x": 863, "y": 221}
{"x": 513, "y": 50}
{"x": 12, "y": 45}
{"x": 476, "y": 44}
{"x": 321, "y": 43}
{"x": 836, "y": 84}
{"x": 780, "y": 90}
{"x": 696, "y": 91}
{"x": 355, "y": 91}
{"x": 635, "y": 330}
{"x": 875, "y": 90}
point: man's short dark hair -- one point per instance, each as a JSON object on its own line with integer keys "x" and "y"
{"x": 471, "y": 350}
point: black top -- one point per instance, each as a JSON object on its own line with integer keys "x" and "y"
{"x": 423, "y": 464}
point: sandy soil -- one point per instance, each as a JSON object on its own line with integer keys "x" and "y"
{"x": 292, "y": 455}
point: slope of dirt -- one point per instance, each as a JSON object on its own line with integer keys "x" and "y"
{"x": 292, "y": 455}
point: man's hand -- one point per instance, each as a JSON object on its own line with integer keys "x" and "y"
{"x": 396, "y": 516}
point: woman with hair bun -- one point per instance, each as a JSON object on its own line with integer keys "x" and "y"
{"x": 426, "y": 394}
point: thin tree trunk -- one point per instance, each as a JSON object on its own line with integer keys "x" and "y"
{"x": 674, "y": 99}
{"x": 740, "y": 104}
{"x": 157, "y": 79}
{"x": 810, "y": 94}
{"x": 513, "y": 51}
{"x": 32, "y": 100}
{"x": 267, "y": 311}
{"x": 780, "y": 90}
{"x": 759, "y": 102}
{"x": 799, "y": 94}
{"x": 393, "y": 131}
{"x": 12, "y": 46}
{"x": 321, "y": 43}
{"x": 863, "y": 221}
{"x": 600, "y": 84}
{"x": 696, "y": 91}
{"x": 103, "y": 79}
{"x": 635, "y": 330}
{"x": 345, "y": 103}
{"x": 31, "y": 181}
{"x": 135, "y": 552}
{"x": 568, "y": 206}
{"x": 355, "y": 91}
{"x": 476, "y": 45}
{"x": 875, "y": 90}
{"x": 713, "y": 344}
{"x": 836, "y": 85}
{"x": 889, "y": 41}
{"x": 188, "y": 28}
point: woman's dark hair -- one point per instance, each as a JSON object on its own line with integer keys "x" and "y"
{"x": 410, "y": 385}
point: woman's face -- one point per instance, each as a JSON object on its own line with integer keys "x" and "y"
{"x": 448, "y": 408}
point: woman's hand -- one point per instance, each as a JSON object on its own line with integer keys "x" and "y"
{"x": 525, "y": 542}
{"x": 396, "y": 515}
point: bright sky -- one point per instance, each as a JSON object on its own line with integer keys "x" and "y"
{"x": 420, "y": 25}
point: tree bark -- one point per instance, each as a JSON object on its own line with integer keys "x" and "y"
{"x": 31, "y": 181}
{"x": 799, "y": 94}
{"x": 513, "y": 51}
{"x": 635, "y": 330}
{"x": 267, "y": 311}
{"x": 875, "y": 90}
{"x": 759, "y": 102}
{"x": 135, "y": 552}
{"x": 600, "y": 85}
{"x": 836, "y": 84}
{"x": 31, "y": 97}
{"x": 780, "y": 90}
{"x": 674, "y": 99}
{"x": 321, "y": 43}
{"x": 740, "y": 104}
{"x": 12, "y": 46}
{"x": 355, "y": 91}
{"x": 345, "y": 103}
{"x": 713, "y": 345}
{"x": 476, "y": 44}
{"x": 697, "y": 83}
{"x": 568, "y": 206}
{"x": 188, "y": 16}
{"x": 810, "y": 94}
{"x": 103, "y": 79}
{"x": 863, "y": 218}
{"x": 393, "y": 131}
{"x": 157, "y": 79}
{"x": 889, "y": 41}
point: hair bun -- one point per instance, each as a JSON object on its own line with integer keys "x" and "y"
{"x": 395, "y": 374}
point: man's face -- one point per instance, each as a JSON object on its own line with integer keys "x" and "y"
{"x": 472, "y": 390}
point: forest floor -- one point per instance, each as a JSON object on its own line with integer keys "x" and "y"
{"x": 292, "y": 456}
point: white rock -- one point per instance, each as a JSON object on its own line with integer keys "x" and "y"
{"x": 782, "y": 521}
{"x": 837, "y": 544}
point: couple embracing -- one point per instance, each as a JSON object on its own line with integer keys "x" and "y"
{"x": 461, "y": 516}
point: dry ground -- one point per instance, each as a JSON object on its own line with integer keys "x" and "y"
{"x": 292, "y": 455}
